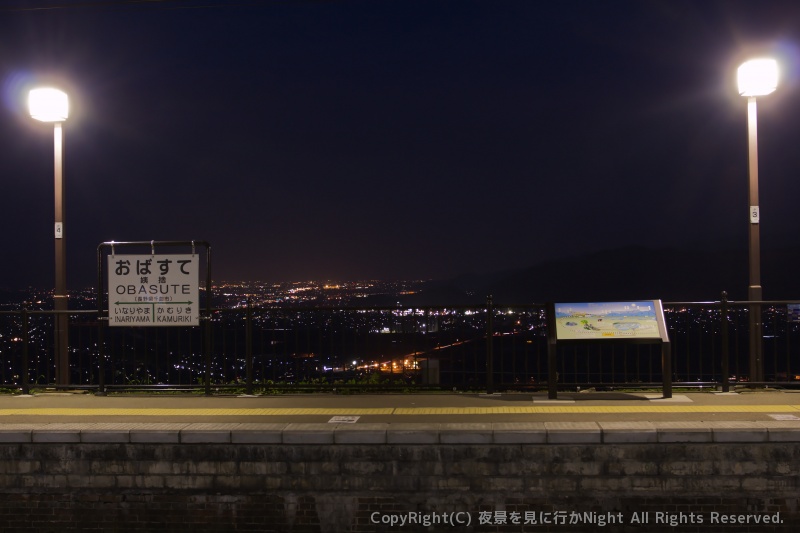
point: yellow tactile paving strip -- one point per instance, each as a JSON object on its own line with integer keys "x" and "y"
{"x": 599, "y": 409}
{"x": 404, "y": 411}
{"x": 193, "y": 412}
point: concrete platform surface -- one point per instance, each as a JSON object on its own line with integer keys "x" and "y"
{"x": 451, "y": 418}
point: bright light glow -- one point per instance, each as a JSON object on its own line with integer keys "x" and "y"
{"x": 48, "y": 105}
{"x": 757, "y": 77}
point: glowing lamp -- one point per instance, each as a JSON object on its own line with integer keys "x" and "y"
{"x": 48, "y": 105}
{"x": 757, "y": 77}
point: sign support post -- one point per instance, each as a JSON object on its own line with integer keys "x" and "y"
{"x": 552, "y": 361}
{"x": 666, "y": 368}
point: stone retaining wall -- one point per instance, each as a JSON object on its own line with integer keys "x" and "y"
{"x": 560, "y": 477}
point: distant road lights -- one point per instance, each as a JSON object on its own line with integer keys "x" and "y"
{"x": 52, "y": 105}
{"x": 757, "y": 77}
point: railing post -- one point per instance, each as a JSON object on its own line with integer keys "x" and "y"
{"x": 489, "y": 345}
{"x": 101, "y": 356}
{"x": 101, "y": 333}
{"x": 249, "y": 346}
{"x": 25, "y": 342}
{"x": 207, "y": 332}
{"x": 726, "y": 380}
{"x": 207, "y": 350}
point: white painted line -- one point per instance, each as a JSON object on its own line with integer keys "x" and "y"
{"x": 785, "y": 417}
{"x": 678, "y": 398}
{"x": 344, "y": 420}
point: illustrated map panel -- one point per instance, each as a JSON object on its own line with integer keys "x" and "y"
{"x": 608, "y": 320}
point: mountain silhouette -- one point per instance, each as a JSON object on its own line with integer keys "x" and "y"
{"x": 625, "y": 273}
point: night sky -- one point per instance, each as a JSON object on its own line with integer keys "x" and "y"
{"x": 393, "y": 139}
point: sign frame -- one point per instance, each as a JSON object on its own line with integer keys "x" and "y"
{"x": 205, "y": 312}
{"x": 656, "y": 333}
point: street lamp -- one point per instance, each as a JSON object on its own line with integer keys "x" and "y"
{"x": 52, "y": 105}
{"x": 757, "y": 77}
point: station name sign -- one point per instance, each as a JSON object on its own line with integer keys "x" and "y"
{"x": 153, "y": 290}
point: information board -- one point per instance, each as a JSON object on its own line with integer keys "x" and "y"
{"x": 610, "y": 320}
{"x": 153, "y": 290}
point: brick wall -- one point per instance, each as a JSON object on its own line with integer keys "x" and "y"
{"x": 339, "y": 487}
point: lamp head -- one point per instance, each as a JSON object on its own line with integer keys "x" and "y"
{"x": 48, "y": 105}
{"x": 757, "y": 77}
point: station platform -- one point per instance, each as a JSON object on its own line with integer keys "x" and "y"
{"x": 743, "y": 405}
{"x": 582, "y": 417}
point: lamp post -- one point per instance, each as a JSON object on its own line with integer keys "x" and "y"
{"x": 757, "y": 77}
{"x": 52, "y": 105}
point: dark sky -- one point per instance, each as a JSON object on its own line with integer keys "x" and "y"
{"x": 392, "y": 139}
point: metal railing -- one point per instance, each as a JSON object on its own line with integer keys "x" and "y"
{"x": 482, "y": 347}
